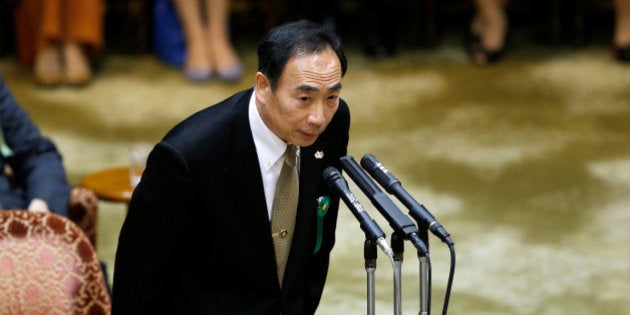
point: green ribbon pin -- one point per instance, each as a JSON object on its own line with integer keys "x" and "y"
{"x": 322, "y": 207}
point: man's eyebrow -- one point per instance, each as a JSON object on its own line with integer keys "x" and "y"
{"x": 306, "y": 88}
{"x": 310, "y": 88}
{"x": 335, "y": 87}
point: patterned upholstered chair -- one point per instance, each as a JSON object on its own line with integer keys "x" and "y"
{"x": 48, "y": 266}
{"x": 83, "y": 210}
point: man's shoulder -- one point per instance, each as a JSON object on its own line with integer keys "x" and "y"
{"x": 210, "y": 129}
{"x": 212, "y": 118}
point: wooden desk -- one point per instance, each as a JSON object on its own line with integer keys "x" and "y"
{"x": 110, "y": 184}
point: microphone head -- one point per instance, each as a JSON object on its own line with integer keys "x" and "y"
{"x": 368, "y": 161}
{"x": 358, "y": 175}
{"x": 379, "y": 172}
{"x": 330, "y": 174}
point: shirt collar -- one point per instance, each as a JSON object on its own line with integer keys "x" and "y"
{"x": 270, "y": 148}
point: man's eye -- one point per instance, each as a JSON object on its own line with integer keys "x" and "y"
{"x": 303, "y": 98}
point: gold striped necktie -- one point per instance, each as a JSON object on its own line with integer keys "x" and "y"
{"x": 284, "y": 209}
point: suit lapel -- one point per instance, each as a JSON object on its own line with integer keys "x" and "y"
{"x": 310, "y": 176}
{"x": 244, "y": 184}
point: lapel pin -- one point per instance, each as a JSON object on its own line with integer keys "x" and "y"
{"x": 319, "y": 155}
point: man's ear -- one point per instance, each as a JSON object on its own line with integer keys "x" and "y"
{"x": 262, "y": 84}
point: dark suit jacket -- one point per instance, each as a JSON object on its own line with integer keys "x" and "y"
{"x": 197, "y": 238}
{"x": 37, "y": 166}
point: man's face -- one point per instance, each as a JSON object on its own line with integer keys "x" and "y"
{"x": 305, "y": 99}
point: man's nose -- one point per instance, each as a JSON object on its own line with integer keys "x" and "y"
{"x": 316, "y": 115}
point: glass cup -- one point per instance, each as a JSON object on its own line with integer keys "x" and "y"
{"x": 138, "y": 162}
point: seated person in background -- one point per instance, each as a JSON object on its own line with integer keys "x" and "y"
{"x": 58, "y": 38}
{"x": 209, "y": 52}
{"x": 38, "y": 180}
{"x": 485, "y": 42}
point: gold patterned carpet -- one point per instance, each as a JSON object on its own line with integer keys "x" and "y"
{"x": 526, "y": 163}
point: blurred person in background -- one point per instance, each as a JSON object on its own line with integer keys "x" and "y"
{"x": 621, "y": 37}
{"x": 485, "y": 42}
{"x": 209, "y": 51}
{"x": 488, "y": 31}
{"x": 37, "y": 179}
{"x": 59, "y": 39}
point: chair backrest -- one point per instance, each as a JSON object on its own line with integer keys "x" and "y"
{"x": 48, "y": 266}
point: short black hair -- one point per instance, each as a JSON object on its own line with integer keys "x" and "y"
{"x": 290, "y": 39}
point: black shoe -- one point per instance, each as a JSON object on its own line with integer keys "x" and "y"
{"x": 480, "y": 55}
{"x": 622, "y": 53}
{"x": 376, "y": 47}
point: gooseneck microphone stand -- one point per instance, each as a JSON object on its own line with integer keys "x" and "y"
{"x": 401, "y": 224}
{"x": 424, "y": 277}
{"x": 398, "y": 247}
{"x": 426, "y": 222}
{"x": 370, "y": 254}
{"x": 374, "y": 236}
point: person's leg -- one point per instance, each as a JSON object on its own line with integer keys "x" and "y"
{"x": 490, "y": 26}
{"x": 379, "y": 27}
{"x": 197, "y": 66}
{"x": 45, "y": 19}
{"x": 83, "y": 37}
{"x": 621, "y": 37}
{"x": 77, "y": 70}
{"x": 222, "y": 54}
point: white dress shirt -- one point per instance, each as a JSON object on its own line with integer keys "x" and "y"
{"x": 270, "y": 150}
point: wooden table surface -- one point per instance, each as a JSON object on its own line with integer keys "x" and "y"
{"x": 110, "y": 184}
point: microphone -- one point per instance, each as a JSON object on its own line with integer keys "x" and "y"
{"x": 372, "y": 231}
{"x": 397, "y": 220}
{"x": 392, "y": 185}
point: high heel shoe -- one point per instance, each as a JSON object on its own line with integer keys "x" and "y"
{"x": 480, "y": 55}
{"x": 230, "y": 74}
{"x": 198, "y": 75}
{"x": 622, "y": 53}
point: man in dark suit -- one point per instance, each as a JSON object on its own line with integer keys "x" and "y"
{"x": 38, "y": 181}
{"x": 197, "y": 238}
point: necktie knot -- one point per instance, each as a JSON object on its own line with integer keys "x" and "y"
{"x": 290, "y": 155}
